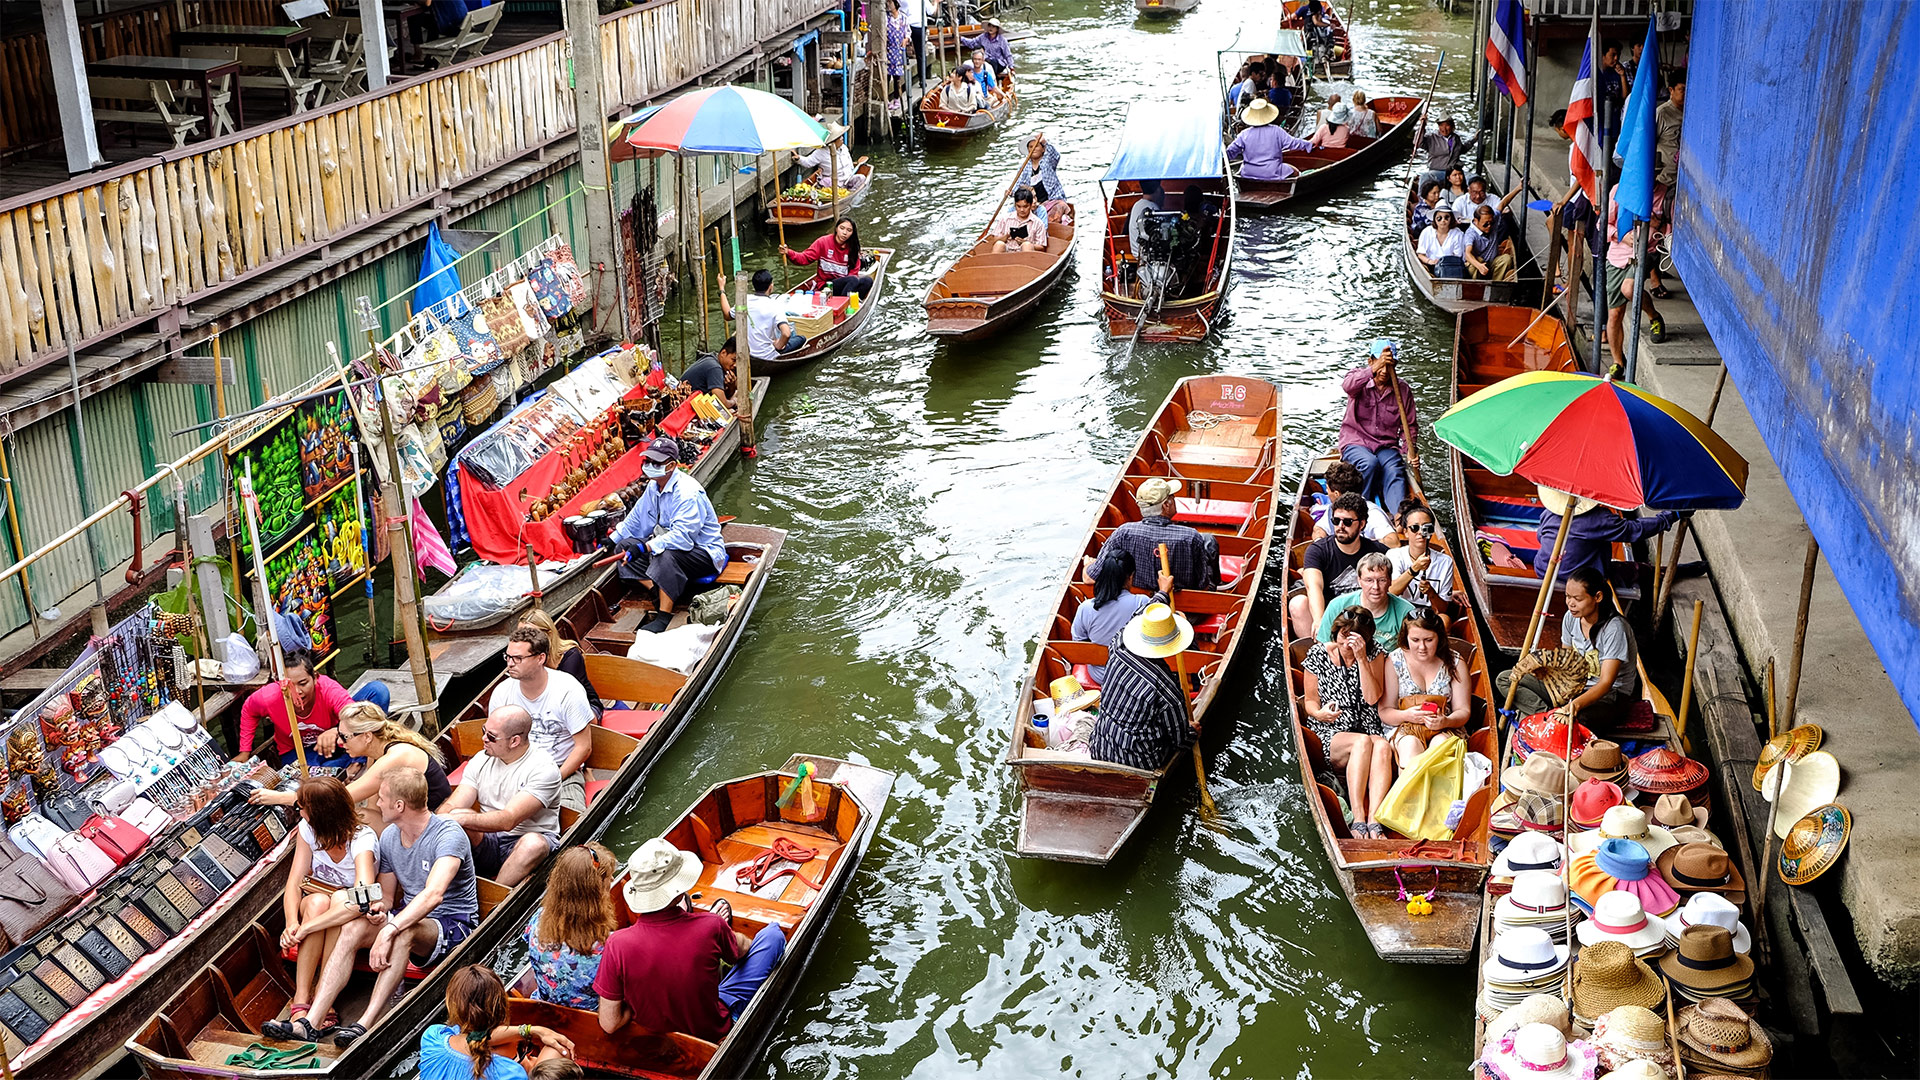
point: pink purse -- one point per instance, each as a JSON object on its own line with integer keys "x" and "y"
{"x": 78, "y": 863}
{"x": 143, "y": 815}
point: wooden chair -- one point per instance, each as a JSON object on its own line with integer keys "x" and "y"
{"x": 130, "y": 94}
{"x": 337, "y": 57}
{"x": 468, "y": 40}
{"x": 222, "y": 87}
{"x": 277, "y": 71}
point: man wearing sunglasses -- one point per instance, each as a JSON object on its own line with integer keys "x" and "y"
{"x": 1330, "y": 567}
{"x": 509, "y": 799}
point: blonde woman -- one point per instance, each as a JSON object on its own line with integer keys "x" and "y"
{"x": 366, "y": 732}
{"x": 564, "y": 655}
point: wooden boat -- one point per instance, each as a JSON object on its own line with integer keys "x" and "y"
{"x": 730, "y": 826}
{"x": 1074, "y": 808}
{"x": 804, "y": 214}
{"x": 1340, "y": 64}
{"x": 1498, "y": 516}
{"x": 1325, "y": 169}
{"x": 218, "y": 1010}
{"x": 578, "y": 576}
{"x": 1455, "y": 295}
{"x": 1163, "y": 138}
{"x": 848, "y": 328}
{"x": 941, "y": 37}
{"x": 940, "y": 123}
{"x": 983, "y": 292}
{"x": 1163, "y": 9}
{"x": 1367, "y": 868}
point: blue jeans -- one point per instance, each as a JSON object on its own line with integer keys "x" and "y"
{"x": 744, "y": 980}
{"x": 1384, "y": 473}
{"x": 794, "y": 341}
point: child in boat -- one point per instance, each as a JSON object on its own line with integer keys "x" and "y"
{"x": 569, "y": 929}
{"x": 467, "y": 1046}
{"x": 1024, "y": 228}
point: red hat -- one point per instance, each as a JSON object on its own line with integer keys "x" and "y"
{"x": 1548, "y": 731}
{"x": 1591, "y": 801}
{"x": 1663, "y": 771}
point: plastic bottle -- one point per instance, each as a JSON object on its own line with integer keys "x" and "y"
{"x": 1040, "y": 728}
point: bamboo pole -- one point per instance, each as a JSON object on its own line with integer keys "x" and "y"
{"x": 833, "y": 177}
{"x": 717, "y": 258}
{"x": 1406, "y": 430}
{"x": 1540, "y": 602}
{"x": 393, "y": 503}
{"x": 743, "y": 402}
{"x": 250, "y": 509}
{"x": 1800, "y": 630}
{"x": 1686, "y": 680}
{"x": 699, "y": 225}
{"x": 1207, "y": 810}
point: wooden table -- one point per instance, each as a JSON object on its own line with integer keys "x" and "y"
{"x": 267, "y": 37}
{"x": 176, "y": 69}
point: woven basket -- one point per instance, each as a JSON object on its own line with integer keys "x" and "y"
{"x": 1563, "y": 671}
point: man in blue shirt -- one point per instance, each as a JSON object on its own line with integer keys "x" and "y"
{"x": 675, "y": 524}
{"x": 1596, "y": 529}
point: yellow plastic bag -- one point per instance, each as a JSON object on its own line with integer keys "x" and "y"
{"x": 1420, "y": 799}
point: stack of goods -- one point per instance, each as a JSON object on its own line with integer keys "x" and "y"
{"x": 1620, "y": 865}
{"x": 1619, "y": 916}
{"x": 1528, "y": 851}
{"x": 1665, "y": 771}
{"x": 1605, "y": 976}
{"x": 1709, "y": 909}
{"x": 1525, "y": 961}
{"x": 818, "y": 194}
{"x": 1719, "y": 1039}
{"x": 1538, "y": 899}
{"x": 1532, "y": 798}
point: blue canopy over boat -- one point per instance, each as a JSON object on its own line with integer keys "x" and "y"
{"x": 1169, "y": 141}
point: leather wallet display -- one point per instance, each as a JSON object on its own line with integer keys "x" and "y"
{"x": 210, "y": 868}
{"x": 83, "y": 970}
{"x": 196, "y": 884}
{"x": 157, "y": 907}
{"x": 20, "y": 1020}
{"x": 228, "y": 856}
{"x": 124, "y": 941}
{"x": 142, "y": 926}
{"x": 42, "y": 1001}
{"x": 277, "y": 826}
{"x": 106, "y": 956}
{"x": 177, "y": 894}
{"x": 55, "y": 978}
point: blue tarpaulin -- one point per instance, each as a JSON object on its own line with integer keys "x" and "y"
{"x": 438, "y": 278}
{"x": 1169, "y": 141}
{"x": 1798, "y": 241}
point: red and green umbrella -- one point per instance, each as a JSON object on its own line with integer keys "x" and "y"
{"x": 1599, "y": 439}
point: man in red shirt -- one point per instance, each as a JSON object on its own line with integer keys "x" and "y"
{"x": 663, "y": 972}
{"x": 317, "y": 701}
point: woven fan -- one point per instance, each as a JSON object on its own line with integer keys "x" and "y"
{"x": 1563, "y": 671}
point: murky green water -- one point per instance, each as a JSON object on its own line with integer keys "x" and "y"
{"x": 935, "y": 495}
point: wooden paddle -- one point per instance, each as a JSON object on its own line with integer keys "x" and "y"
{"x": 1406, "y": 430}
{"x": 1207, "y": 810}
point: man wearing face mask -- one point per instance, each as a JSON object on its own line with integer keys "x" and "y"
{"x": 675, "y": 522}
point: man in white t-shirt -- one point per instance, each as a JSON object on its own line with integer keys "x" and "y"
{"x": 769, "y": 332}
{"x": 558, "y": 705}
{"x": 508, "y": 801}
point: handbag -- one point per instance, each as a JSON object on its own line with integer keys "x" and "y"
{"x": 509, "y": 330}
{"x": 36, "y": 835}
{"x": 142, "y": 814}
{"x": 550, "y": 289}
{"x": 69, "y": 812}
{"x": 117, "y": 838}
{"x": 570, "y": 276}
{"x": 473, "y": 334}
{"x": 31, "y": 896}
{"x": 76, "y": 861}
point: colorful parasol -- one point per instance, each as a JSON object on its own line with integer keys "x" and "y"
{"x": 1597, "y": 438}
{"x": 721, "y": 120}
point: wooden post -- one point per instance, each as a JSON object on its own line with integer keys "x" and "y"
{"x": 833, "y": 177}
{"x": 1686, "y": 681}
{"x": 1800, "y": 631}
{"x": 1207, "y": 810}
{"x": 373, "y": 31}
{"x": 604, "y": 269}
{"x": 1540, "y": 602}
{"x": 268, "y": 613}
{"x": 743, "y": 401}
{"x": 1773, "y": 714}
{"x": 67, "y": 66}
{"x": 99, "y": 609}
{"x": 720, "y": 261}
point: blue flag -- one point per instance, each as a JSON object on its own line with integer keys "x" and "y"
{"x": 1637, "y": 138}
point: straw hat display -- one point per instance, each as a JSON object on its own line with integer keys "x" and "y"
{"x": 1625, "y": 866}
{"x": 1640, "y": 1069}
{"x": 1814, "y": 843}
{"x": 1618, "y": 916}
{"x": 1538, "y": 899}
{"x": 1675, "y": 811}
{"x": 1704, "y": 965}
{"x": 1719, "y": 1037}
{"x": 1695, "y": 868}
{"x": 1790, "y": 745}
{"x": 1802, "y": 785}
{"x": 1537, "y": 1009}
{"x": 1601, "y": 760}
{"x": 1590, "y": 802}
{"x": 1623, "y": 823}
{"x": 1538, "y": 1052}
{"x": 1709, "y": 909}
{"x": 1541, "y": 773}
{"x": 1663, "y": 771}
{"x": 1529, "y": 851}
{"x": 1607, "y": 975}
{"x": 1630, "y": 1033}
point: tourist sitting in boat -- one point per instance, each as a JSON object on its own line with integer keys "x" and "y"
{"x": 380, "y": 745}
{"x": 1331, "y": 566}
{"x": 1596, "y": 529}
{"x": 1193, "y": 556}
{"x": 825, "y": 159}
{"x": 1431, "y": 693}
{"x": 960, "y": 94}
{"x": 562, "y": 715}
{"x": 837, "y": 256}
{"x": 1277, "y": 92}
{"x": 1375, "y": 574}
{"x": 1442, "y": 149}
{"x": 317, "y": 701}
{"x": 1260, "y": 146}
{"x": 993, "y": 44}
{"x": 1101, "y": 619}
{"x": 569, "y": 929}
{"x": 509, "y": 800}
{"x": 707, "y": 375}
{"x": 333, "y": 852}
{"x": 1335, "y": 124}
{"x": 1456, "y": 185}
{"x": 1340, "y": 478}
{"x": 1423, "y": 209}
{"x": 557, "y": 1069}
{"x": 427, "y": 888}
{"x": 1594, "y": 626}
{"x": 1022, "y": 228}
{"x": 675, "y": 524}
{"x": 1443, "y": 246}
{"x": 476, "y": 1043}
{"x": 1380, "y": 430}
{"x": 769, "y": 331}
{"x": 662, "y": 972}
{"x": 1363, "y": 121}
{"x": 1148, "y": 204}
{"x": 1248, "y": 83}
{"x": 1038, "y": 172}
{"x": 1344, "y": 680}
{"x": 1422, "y": 573}
{"x": 564, "y": 654}
{"x": 1489, "y": 254}
{"x": 1467, "y": 205}
{"x": 1144, "y": 718}
{"x": 983, "y": 73}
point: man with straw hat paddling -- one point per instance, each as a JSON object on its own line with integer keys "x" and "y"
{"x": 1259, "y": 148}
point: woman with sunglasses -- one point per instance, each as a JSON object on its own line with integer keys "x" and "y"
{"x": 367, "y": 733}
{"x": 570, "y": 927}
{"x": 1422, "y": 573}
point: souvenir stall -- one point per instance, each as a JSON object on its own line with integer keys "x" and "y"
{"x": 128, "y": 832}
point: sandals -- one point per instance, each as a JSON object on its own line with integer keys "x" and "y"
{"x": 298, "y": 1029}
{"x": 345, "y": 1036}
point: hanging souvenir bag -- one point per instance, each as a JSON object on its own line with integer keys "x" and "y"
{"x": 570, "y": 275}
{"x": 117, "y": 838}
{"x": 549, "y": 289}
{"x": 475, "y": 337}
{"x": 76, "y": 861}
{"x": 31, "y": 895}
{"x": 504, "y": 322}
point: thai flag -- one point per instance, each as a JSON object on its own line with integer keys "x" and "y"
{"x": 1579, "y": 128}
{"x": 1507, "y": 50}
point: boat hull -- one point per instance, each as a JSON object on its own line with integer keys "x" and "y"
{"x": 1455, "y": 295}
{"x": 938, "y": 123}
{"x": 800, "y": 216}
{"x": 851, "y": 327}
{"x": 1188, "y": 318}
{"x": 982, "y": 293}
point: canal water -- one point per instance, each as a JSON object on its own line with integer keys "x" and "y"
{"x": 935, "y": 495}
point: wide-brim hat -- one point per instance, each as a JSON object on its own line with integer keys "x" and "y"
{"x": 1543, "y": 773}
{"x": 1711, "y": 909}
{"x": 1158, "y": 631}
{"x": 1618, "y": 916}
{"x": 1259, "y": 114}
{"x": 1529, "y": 851}
{"x": 1705, "y": 959}
{"x": 1694, "y": 834}
{"x": 1339, "y": 114}
{"x": 1554, "y": 501}
{"x": 1663, "y": 771}
{"x": 657, "y": 873}
{"x": 1591, "y": 801}
{"x": 1641, "y": 1069}
{"x": 1693, "y": 868}
{"x": 1815, "y": 843}
{"x": 1548, "y": 731}
{"x": 1607, "y": 975}
{"x": 1545, "y": 1009}
{"x": 1722, "y": 1032}
{"x": 1069, "y": 696}
{"x": 1537, "y": 896}
{"x": 1675, "y": 811}
{"x": 1627, "y": 1032}
{"x": 1801, "y": 785}
{"x": 1525, "y": 955}
{"x": 1624, "y": 822}
{"x": 1790, "y": 745}
{"x": 1601, "y": 760}
{"x": 1539, "y": 1052}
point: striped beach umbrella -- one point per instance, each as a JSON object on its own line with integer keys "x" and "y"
{"x": 721, "y": 120}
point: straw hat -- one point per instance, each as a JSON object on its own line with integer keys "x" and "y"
{"x": 1535, "y": 1009}
{"x": 1630, "y": 1033}
{"x": 1541, "y": 774}
{"x": 1815, "y": 843}
{"x": 1809, "y": 782}
{"x": 1721, "y": 1033}
{"x": 1548, "y": 730}
{"x": 1069, "y": 696}
{"x": 1673, "y": 811}
{"x": 1705, "y": 960}
{"x": 1694, "y": 868}
{"x": 1259, "y": 114}
{"x": 1158, "y": 631}
{"x": 1662, "y": 770}
{"x": 1555, "y": 502}
{"x": 1623, "y": 823}
{"x": 1530, "y": 851}
{"x": 1789, "y": 745}
{"x": 1693, "y": 834}
{"x": 1640, "y": 1069}
{"x": 1538, "y": 1052}
{"x": 1607, "y": 975}
{"x": 1525, "y": 956}
{"x": 1618, "y": 916}
{"x": 1621, "y": 865}
{"x": 1591, "y": 801}
{"x": 657, "y": 873}
{"x": 1710, "y": 909}
{"x": 1601, "y": 760}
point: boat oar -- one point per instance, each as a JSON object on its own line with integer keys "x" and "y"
{"x": 1207, "y": 810}
{"x": 1406, "y": 430}
{"x": 1426, "y": 110}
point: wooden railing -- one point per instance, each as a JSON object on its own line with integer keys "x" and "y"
{"x": 108, "y": 251}
{"x": 28, "y": 115}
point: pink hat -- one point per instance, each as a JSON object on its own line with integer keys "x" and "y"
{"x": 1591, "y": 801}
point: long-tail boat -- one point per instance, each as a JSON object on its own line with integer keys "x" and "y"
{"x": 1454, "y": 295}
{"x": 730, "y": 827}
{"x": 845, "y": 326}
{"x": 218, "y": 1011}
{"x": 985, "y": 291}
{"x": 1372, "y": 872}
{"x": 1338, "y": 64}
{"x": 1220, "y": 435}
{"x": 1330, "y": 167}
{"x": 1163, "y": 9}
{"x": 803, "y": 217}
{"x": 1171, "y": 291}
{"x": 941, "y": 123}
